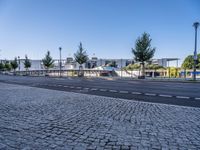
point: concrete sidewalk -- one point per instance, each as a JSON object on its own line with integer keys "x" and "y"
{"x": 34, "y": 118}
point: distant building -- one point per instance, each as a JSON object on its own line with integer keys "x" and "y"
{"x": 70, "y": 63}
{"x": 165, "y": 61}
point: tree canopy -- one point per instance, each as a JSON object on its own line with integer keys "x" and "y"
{"x": 132, "y": 67}
{"x": 153, "y": 67}
{"x": 143, "y": 52}
{"x": 27, "y": 63}
{"x": 48, "y": 61}
{"x": 147, "y": 66}
{"x": 2, "y": 66}
{"x": 81, "y": 55}
{"x": 188, "y": 63}
{"x": 14, "y": 64}
{"x": 7, "y": 66}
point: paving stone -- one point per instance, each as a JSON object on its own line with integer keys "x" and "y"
{"x": 33, "y": 118}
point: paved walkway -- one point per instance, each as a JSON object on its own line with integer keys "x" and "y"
{"x": 33, "y": 118}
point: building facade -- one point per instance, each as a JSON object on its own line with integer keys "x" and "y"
{"x": 94, "y": 62}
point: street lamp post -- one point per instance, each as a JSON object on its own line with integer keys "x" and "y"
{"x": 195, "y": 25}
{"x": 19, "y": 63}
{"x": 0, "y": 55}
{"x": 60, "y": 64}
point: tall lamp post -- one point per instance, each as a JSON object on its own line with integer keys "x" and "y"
{"x": 195, "y": 25}
{"x": 60, "y": 64}
{"x": 19, "y": 63}
{"x": 0, "y": 55}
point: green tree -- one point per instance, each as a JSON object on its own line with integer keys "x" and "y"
{"x": 173, "y": 71}
{"x": 27, "y": 63}
{"x": 7, "y": 66}
{"x": 81, "y": 56}
{"x": 48, "y": 61}
{"x": 143, "y": 51}
{"x": 132, "y": 67}
{"x": 14, "y": 64}
{"x": 2, "y": 66}
{"x": 188, "y": 62}
{"x": 153, "y": 67}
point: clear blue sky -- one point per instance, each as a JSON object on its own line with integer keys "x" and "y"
{"x": 107, "y": 28}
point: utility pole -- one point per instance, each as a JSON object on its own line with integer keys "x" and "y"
{"x": 195, "y": 25}
{"x": 121, "y": 68}
{"x": 60, "y": 64}
{"x": 19, "y": 63}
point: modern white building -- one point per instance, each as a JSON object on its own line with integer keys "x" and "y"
{"x": 165, "y": 61}
{"x": 94, "y": 62}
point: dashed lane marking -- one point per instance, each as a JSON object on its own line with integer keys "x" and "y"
{"x": 79, "y": 87}
{"x": 93, "y": 89}
{"x": 124, "y": 92}
{"x": 182, "y": 97}
{"x": 103, "y": 90}
{"x": 162, "y": 95}
{"x": 150, "y": 94}
{"x": 136, "y": 93}
{"x": 113, "y": 91}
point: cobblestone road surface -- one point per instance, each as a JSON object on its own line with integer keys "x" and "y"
{"x": 33, "y": 118}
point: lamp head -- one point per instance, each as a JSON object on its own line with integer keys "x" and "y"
{"x": 196, "y": 24}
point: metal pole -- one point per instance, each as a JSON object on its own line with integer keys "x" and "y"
{"x": 60, "y": 64}
{"x": 19, "y": 63}
{"x": 121, "y": 68}
{"x": 196, "y": 24}
{"x": 177, "y": 74}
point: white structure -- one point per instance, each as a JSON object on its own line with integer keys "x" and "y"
{"x": 93, "y": 63}
{"x": 164, "y": 61}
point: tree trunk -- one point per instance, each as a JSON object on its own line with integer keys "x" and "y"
{"x": 142, "y": 70}
{"x": 185, "y": 73}
{"x": 26, "y": 71}
{"x": 47, "y": 72}
{"x": 14, "y": 72}
{"x": 80, "y": 73}
{"x": 142, "y": 76}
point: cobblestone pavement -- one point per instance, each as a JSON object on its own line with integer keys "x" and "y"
{"x": 33, "y": 118}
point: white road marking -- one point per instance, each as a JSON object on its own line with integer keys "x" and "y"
{"x": 60, "y": 85}
{"x": 137, "y": 93}
{"x": 79, "y": 87}
{"x": 183, "y": 97}
{"x": 150, "y": 94}
{"x": 124, "y": 92}
{"x": 103, "y": 90}
{"x": 162, "y": 95}
{"x": 71, "y": 87}
{"x": 66, "y": 86}
{"x": 197, "y": 98}
{"x": 93, "y": 89}
{"x": 86, "y": 88}
{"x": 114, "y": 91}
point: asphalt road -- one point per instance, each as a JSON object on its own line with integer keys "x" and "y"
{"x": 176, "y": 93}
